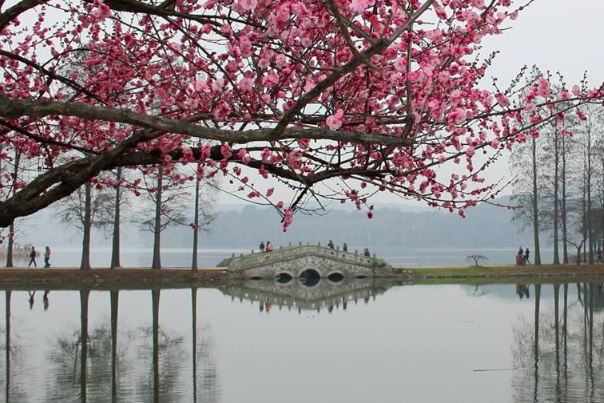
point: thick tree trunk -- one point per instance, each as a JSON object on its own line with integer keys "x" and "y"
{"x": 87, "y": 224}
{"x": 156, "y": 263}
{"x": 11, "y": 246}
{"x": 115, "y": 247}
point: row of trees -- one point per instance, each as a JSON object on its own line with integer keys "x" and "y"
{"x": 559, "y": 183}
{"x": 104, "y": 202}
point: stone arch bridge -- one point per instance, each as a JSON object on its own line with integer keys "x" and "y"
{"x": 309, "y": 262}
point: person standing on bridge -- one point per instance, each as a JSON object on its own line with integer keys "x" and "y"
{"x": 261, "y": 246}
{"x": 269, "y": 247}
{"x": 330, "y": 244}
{"x": 344, "y": 247}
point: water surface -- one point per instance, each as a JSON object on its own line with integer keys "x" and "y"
{"x": 355, "y": 341}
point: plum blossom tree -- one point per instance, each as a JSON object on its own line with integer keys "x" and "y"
{"x": 333, "y": 99}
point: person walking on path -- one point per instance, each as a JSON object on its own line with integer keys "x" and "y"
{"x": 526, "y": 256}
{"x": 32, "y": 257}
{"x": 47, "y": 258}
{"x": 261, "y": 246}
{"x": 520, "y": 256}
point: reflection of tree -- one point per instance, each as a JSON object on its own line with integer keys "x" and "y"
{"x": 210, "y": 390}
{"x": 163, "y": 357}
{"x": 14, "y": 358}
{"x": 557, "y": 357}
{"x": 144, "y": 365}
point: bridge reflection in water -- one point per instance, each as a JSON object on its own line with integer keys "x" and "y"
{"x": 311, "y": 293}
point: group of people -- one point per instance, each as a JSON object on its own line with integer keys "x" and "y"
{"x": 522, "y": 257}
{"x": 331, "y": 245}
{"x": 266, "y": 248}
{"x": 33, "y": 254}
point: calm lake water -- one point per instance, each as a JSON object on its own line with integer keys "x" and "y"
{"x": 357, "y": 341}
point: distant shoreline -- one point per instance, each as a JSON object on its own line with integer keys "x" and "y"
{"x": 144, "y": 278}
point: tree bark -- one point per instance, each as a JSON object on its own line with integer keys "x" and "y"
{"x": 115, "y": 247}
{"x": 87, "y": 225}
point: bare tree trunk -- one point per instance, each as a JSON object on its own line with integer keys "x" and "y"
{"x": 115, "y": 247}
{"x": 85, "y": 264}
{"x": 11, "y": 246}
{"x": 590, "y": 230}
{"x": 156, "y": 264}
{"x": 563, "y": 212}
{"x": 11, "y": 238}
{"x": 584, "y": 215}
{"x": 535, "y": 206}
{"x": 556, "y": 175}
{"x": 196, "y": 223}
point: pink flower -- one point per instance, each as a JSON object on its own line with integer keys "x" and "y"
{"x": 334, "y": 122}
{"x": 287, "y": 218}
{"x": 248, "y": 5}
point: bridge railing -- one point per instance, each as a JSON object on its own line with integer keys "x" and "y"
{"x": 256, "y": 259}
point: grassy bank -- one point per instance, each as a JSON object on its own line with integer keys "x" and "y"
{"x": 507, "y": 274}
{"x": 105, "y": 279}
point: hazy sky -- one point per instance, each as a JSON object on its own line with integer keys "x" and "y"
{"x": 555, "y": 35}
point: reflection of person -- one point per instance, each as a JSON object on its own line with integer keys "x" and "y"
{"x": 261, "y": 246}
{"x": 31, "y": 299}
{"x": 47, "y": 257}
{"x": 269, "y": 247}
{"x": 519, "y": 291}
{"x": 45, "y": 300}
{"x": 32, "y": 257}
{"x": 344, "y": 247}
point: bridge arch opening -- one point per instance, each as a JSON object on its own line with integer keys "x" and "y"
{"x": 310, "y": 277}
{"x": 335, "y": 277}
{"x": 283, "y": 278}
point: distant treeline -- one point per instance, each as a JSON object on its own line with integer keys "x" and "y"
{"x": 486, "y": 226}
